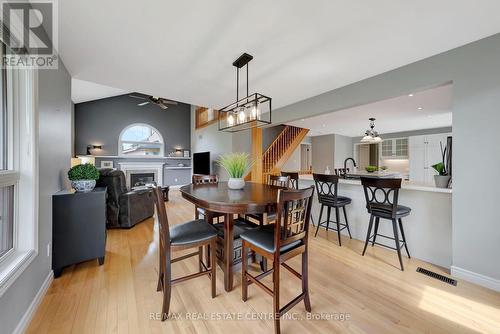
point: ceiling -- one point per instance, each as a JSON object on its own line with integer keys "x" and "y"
{"x": 83, "y": 91}
{"x": 183, "y": 50}
{"x": 392, "y": 115}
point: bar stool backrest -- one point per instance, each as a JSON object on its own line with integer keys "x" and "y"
{"x": 381, "y": 195}
{"x": 203, "y": 179}
{"x": 326, "y": 187}
{"x": 341, "y": 171}
{"x": 294, "y": 179}
{"x": 294, "y": 212}
{"x": 278, "y": 181}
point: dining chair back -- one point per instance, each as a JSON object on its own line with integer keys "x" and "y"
{"x": 294, "y": 179}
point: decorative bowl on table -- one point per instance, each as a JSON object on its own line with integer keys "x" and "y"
{"x": 371, "y": 169}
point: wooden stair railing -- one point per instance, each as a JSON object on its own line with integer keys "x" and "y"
{"x": 281, "y": 150}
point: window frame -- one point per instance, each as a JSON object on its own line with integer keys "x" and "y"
{"x": 22, "y": 172}
{"x": 120, "y": 142}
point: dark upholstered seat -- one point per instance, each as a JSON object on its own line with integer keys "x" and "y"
{"x": 263, "y": 237}
{"x": 385, "y": 211}
{"x": 240, "y": 226}
{"x": 191, "y": 232}
{"x": 341, "y": 201}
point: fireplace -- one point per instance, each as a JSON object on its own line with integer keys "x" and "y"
{"x": 141, "y": 179}
{"x": 143, "y": 169}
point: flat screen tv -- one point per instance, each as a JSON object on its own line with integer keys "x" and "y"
{"x": 201, "y": 163}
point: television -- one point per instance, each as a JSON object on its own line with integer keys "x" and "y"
{"x": 201, "y": 163}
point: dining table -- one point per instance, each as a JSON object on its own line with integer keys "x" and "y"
{"x": 254, "y": 198}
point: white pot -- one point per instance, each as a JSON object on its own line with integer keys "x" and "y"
{"x": 83, "y": 186}
{"x": 236, "y": 183}
{"x": 442, "y": 181}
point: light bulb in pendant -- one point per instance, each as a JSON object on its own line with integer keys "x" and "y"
{"x": 242, "y": 116}
{"x": 255, "y": 112}
{"x": 230, "y": 119}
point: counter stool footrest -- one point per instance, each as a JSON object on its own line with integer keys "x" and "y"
{"x": 401, "y": 242}
{"x": 325, "y": 225}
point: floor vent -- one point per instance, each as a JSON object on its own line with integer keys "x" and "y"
{"x": 437, "y": 276}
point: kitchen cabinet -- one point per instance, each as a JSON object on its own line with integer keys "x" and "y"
{"x": 395, "y": 148}
{"x": 425, "y": 151}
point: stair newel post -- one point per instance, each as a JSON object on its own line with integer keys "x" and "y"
{"x": 257, "y": 171}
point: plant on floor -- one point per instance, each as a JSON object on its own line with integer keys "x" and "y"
{"x": 83, "y": 177}
{"x": 83, "y": 172}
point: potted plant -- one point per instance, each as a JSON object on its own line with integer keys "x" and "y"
{"x": 83, "y": 177}
{"x": 442, "y": 179}
{"x": 236, "y": 165}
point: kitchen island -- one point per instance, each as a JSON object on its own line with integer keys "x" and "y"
{"x": 428, "y": 228}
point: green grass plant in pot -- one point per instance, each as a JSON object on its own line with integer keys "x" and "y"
{"x": 236, "y": 166}
{"x": 83, "y": 177}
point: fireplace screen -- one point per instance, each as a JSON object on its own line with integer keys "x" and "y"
{"x": 141, "y": 179}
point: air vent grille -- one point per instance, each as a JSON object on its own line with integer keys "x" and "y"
{"x": 437, "y": 276}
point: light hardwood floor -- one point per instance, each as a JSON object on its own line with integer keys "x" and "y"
{"x": 121, "y": 297}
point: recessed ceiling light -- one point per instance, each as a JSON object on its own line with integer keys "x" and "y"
{"x": 324, "y": 125}
{"x": 302, "y": 120}
{"x": 420, "y": 108}
{"x": 410, "y": 95}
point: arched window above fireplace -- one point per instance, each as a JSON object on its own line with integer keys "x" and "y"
{"x": 140, "y": 140}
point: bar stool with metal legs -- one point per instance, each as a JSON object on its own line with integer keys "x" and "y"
{"x": 294, "y": 184}
{"x": 327, "y": 188}
{"x": 382, "y": 202}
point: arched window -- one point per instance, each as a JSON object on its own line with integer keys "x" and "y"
{"x": 140, "y": 140}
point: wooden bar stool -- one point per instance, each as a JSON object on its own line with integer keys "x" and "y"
{"x": 208, "y": 215}
{"x": 382, "y": 202}
{"x": 294, "y": 183}
{"x": 327, "y": 188}
{"x": 280, "y": 242}
{"x": 192, "y": 234}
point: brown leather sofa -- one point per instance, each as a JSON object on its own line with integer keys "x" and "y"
{"x": 124, "y": 207}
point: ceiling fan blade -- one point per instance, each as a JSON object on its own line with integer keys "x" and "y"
{"x": 138, "y": 97}
{"x": 143, "y": 103}
{"x": 168, "y": 102}
{"x": 164, "y": 107}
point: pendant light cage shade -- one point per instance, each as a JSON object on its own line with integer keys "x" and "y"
{"x": 252, "y": 111}
{"x": 249, "y": 112}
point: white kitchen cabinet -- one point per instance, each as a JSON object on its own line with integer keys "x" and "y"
{"x": 395, "y": 148}
{"x": 425, "y": 151}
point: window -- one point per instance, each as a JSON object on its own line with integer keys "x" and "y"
{"x": 18, "y": 172}
{"x": 140, "y": 140}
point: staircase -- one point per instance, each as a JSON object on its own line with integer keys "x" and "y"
{"x": 281, "y": 150}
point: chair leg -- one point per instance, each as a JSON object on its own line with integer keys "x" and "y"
{"x": 396, "y": 239}
{"x": 328, "y": 213}
{"x": 200, "y": 258}
{"x": 337, "y": 218}
{"x": 403, "y": 235}
{"x": 196, "y": 213}
{"x": 377, "y": 220}
{"x": 167, "y": 289}
{"x": 244, "y": 263}
{"x": 305, "y": 281}
{"x": 208, "y": 250}
{"x": 276, "y": 294}
{"x": 347, "y": 223}
{"x": 368, "y": 234}
{"x": 319, "y": 221}
{"x": 213, "y": 270}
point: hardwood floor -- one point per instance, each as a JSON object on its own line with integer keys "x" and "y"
{"x": 374, "y": 295}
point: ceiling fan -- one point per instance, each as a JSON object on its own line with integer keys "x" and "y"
{"x": 159, "y": 101}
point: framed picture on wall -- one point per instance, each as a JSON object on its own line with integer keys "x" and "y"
{"x": 186, "y": 154}
{"x": 107, "y": 164}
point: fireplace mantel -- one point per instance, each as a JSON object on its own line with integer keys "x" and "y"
{"x": 142, "y": 167}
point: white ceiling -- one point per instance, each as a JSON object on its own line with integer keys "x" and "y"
{"x": 183, "y": 50}
{"x": 392, "y": 115}
{"x": 82, "y": 91}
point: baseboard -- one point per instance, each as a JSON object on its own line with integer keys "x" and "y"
{"x": 470, "y": 276}
{"x": 28, "y": 315}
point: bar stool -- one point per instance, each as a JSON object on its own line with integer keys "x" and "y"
{"x": 294, "y": 183}
{"x": 207, "y": 215}
{"x": 327, "y": 188}
{"x": 382, "y": 202}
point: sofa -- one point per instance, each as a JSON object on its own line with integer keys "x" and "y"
{"x": 124, "y": 208}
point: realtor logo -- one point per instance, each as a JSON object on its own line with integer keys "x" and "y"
{"x": 30, "y": 34}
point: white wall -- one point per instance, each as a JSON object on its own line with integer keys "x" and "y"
{"x": 343, "y": 150}
{"x": 211, "y": 139}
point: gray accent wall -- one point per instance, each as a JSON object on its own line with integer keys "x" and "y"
{"x": 100, "y": 122}
{"x": 474, "y": 70}
{"x": 55, "y": 127}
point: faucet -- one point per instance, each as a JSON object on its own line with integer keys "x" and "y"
{"x": 345, "y": 164}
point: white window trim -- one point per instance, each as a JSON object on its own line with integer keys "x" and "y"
{"x": 161, "y": 144}
{"x": 25, "y": 163}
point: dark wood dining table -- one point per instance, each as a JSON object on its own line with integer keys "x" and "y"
{"x": 252, "y": 199}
